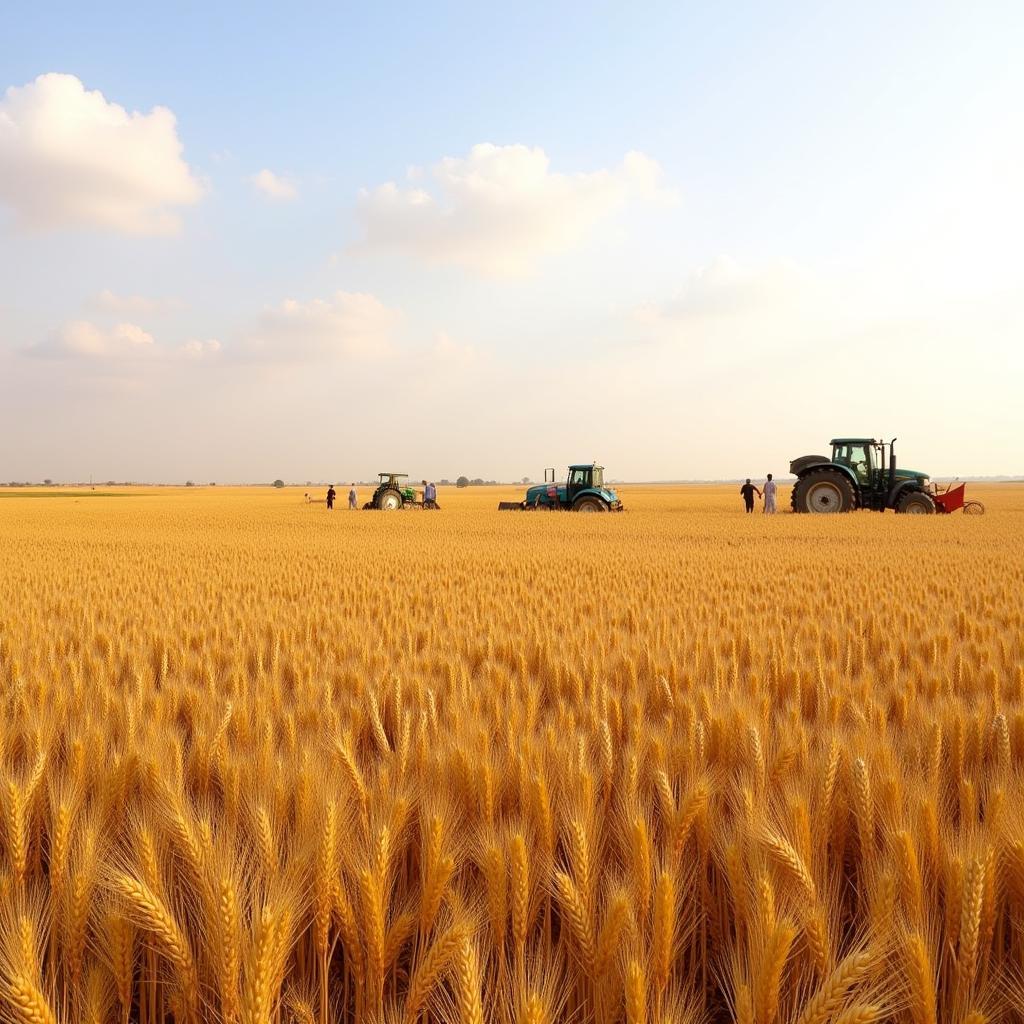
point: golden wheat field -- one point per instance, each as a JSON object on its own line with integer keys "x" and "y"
{"x": 266, "y": 763}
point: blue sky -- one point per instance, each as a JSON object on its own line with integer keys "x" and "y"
{"x": 818, "y": 195}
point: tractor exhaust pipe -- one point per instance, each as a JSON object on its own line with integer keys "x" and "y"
{"x": 892, "y": 464}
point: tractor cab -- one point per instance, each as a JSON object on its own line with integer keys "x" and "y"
{"x": 861, "y": 456}
{"x": 583, "y": 478}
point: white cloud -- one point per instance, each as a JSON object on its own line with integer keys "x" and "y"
{"x": 86, "y": 339}
{"x": 70, "y": 158}
{"x": 137, "y": 305}
{"x": 500, "y": 208}
{"x": 268, "y": 184}
{"x": 197, "y": 349}
{"x": 448, "y": 352}
{"x": 347, "y": 324}
{"x": 724, "y": 288}
{"x": 123, "y": 345}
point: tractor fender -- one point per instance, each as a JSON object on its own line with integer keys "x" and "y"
{"x": 589, "y": 492}
{"x": 800, "y": 466}
{"x": 901, "y": 488}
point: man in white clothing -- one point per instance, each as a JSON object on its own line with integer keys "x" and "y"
{"x": 769, "y": 495}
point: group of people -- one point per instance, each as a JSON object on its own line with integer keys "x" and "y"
{"x": 332, "y": 494}
{"x": 748, "y": 490}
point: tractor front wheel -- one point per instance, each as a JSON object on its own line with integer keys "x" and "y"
{"x": 389, "y": 501}
{"x": 916, "y": 503}
{"x": 824, "y": 491}
{"x": 590, "y": 505}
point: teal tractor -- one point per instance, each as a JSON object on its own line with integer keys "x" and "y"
{"x": 391, "y": 494}
{"x": 583, "y": 491}
{"x": 860, "y": 473}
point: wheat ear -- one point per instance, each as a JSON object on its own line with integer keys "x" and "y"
{"x": 831, "y": 995}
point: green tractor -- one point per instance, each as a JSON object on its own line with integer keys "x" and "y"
{"x": 857, "y": 476}
{"x": 391, "y": 495}
{"x": 583, "y": 491}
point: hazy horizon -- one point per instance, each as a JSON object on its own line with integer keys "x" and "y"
{"x": 689, "y": 244}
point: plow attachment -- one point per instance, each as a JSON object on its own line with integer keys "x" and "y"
{"x": 952, "y": 499}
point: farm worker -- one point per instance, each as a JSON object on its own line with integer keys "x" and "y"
{"x": 769, "y": 495}
{"x": 748, "y": 490}
{"x": 429, "y": 494}
{"x": 331, "y": 492}
{"x": 352, "y": 496}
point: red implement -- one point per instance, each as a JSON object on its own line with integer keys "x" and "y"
{"x": 950, "y": 500}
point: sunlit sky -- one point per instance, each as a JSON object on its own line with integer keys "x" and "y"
{"x": 240, "y": 242}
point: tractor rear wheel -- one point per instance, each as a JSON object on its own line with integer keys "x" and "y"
{"x": 590, "y": 505}
{"x": 916, "y": 503}
{"x": 825, "y": 490}
{"x": 389, "y": 501}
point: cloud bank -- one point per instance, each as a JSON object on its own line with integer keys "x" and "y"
{"x": 499, "y": 209}
{"x": 347, "y": 324}
{"x": 724, "y": 288}
{"x": 125, "y": 345}
{"x": 70, "y": 158}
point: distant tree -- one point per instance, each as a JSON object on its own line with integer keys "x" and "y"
{"x": 48, "y": 482}
{"x": 463, "y": 481}
{"x": 446, "y": 483}
{"x": 279, "y": 483}
{"x": 213, "y": 483}
{"x": 188, "y": 483}
{"x": 477, "y": 481}
{"x": 526, "y": 479}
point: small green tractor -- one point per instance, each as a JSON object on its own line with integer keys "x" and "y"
{"x": 391, "y": 495}
{"x": 583, "y": 491}
{"x": 861, "y": 473}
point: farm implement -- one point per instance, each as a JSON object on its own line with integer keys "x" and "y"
{"x": 583, "y": 491}
{"x": 952, "y": 499}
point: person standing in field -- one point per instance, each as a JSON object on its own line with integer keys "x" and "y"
{"x": 331, "y": 494}
{"x": 748, "y": 490}
{"x": 429, "y": 495}
{"x": 352, "y": 496}
{"x": 769, "y": 496}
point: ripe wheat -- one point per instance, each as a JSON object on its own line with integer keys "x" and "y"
{"x": 260, "y": 763}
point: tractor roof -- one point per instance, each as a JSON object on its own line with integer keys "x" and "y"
{"x": 853, "y": 440}
{"x": 585, "y": 465}
{"x": 393, "y": 474}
